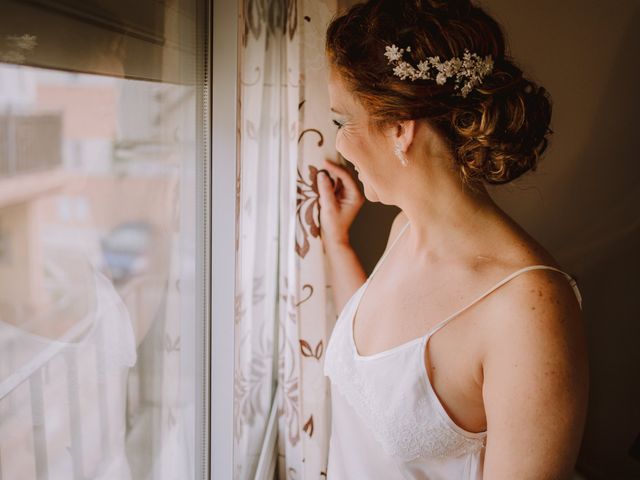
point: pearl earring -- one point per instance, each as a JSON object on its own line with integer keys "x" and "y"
{"x": 400, "y": 154}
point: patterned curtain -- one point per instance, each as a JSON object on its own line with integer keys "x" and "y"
{"x": 308, "y": 315}
{"x": 269, "y": 93}
{"x": 284, "y": 311}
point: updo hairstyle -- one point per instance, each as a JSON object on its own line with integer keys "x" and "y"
{"x": 497, "y": 133}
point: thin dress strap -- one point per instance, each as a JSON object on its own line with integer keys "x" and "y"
{"x": 384, "y": 255}
{"x": 502, "y": 282}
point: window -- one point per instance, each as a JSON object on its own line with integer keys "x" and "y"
{"x": 103, "y": 239}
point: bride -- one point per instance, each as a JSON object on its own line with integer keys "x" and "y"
{"x": 463, "y": 354}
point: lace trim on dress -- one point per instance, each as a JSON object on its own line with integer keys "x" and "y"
{"x": 411, "y": 427}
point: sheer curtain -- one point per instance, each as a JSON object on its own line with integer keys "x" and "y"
{"x": 269, "y": 98}
{"x": 284, "y": 314}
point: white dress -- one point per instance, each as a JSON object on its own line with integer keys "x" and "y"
{"x": 387, "y": 422}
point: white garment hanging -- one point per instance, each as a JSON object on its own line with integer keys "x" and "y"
{"x": 387, "y": 421}
{"x": 63, "y": 401}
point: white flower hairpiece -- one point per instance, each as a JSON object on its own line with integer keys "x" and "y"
{"x": 472, "y": 67}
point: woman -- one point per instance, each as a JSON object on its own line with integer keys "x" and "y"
{"x": 429, "y": 108}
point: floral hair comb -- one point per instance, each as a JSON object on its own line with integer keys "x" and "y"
{"x": 471, "y": 69}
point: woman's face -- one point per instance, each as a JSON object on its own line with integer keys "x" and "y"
{"x": 369, "y": 152}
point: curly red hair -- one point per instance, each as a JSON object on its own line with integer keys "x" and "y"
{"x": 497, "y": 133}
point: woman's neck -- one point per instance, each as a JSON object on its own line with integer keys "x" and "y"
{"x": 448, "y": 220}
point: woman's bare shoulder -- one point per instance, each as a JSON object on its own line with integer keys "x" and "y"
{"x": 538, "y": 312}
{"x": 535, "y": 371}
{"x": 537, "y": 305}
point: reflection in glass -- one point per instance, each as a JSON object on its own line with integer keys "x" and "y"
{"x": 97, "y": 243}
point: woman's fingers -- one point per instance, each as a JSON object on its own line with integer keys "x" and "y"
{"x": 338, "y": 170}
{"x": 325, "y": 189}
{"x": 339, "y": 200}
{"x": 351, "y": 189}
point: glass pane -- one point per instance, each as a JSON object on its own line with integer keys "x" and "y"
{"x": 98, "y": 128}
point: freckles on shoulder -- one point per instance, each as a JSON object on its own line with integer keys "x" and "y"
{"x": 537, "y": 311}
{"x": 535, "y": 374}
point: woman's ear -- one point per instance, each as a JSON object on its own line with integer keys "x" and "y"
{"x": 403, "y": 134}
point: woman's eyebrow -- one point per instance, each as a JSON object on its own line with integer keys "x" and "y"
{"x": 336, "y": 111}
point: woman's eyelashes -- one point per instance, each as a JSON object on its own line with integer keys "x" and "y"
{"x": 337, "y": 124}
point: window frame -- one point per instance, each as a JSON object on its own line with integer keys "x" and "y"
{"x": 219, "y": 203}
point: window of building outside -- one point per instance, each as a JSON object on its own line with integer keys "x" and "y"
{"x": 102, "y": 169}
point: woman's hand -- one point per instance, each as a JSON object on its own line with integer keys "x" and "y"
{"x": 339, "y": 201}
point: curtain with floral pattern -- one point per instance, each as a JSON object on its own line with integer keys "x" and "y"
{"x": 284, "y": 313}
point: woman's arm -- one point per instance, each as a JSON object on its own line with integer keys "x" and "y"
{"x": 347, "y": 274}
{"x": 535, "y": 385}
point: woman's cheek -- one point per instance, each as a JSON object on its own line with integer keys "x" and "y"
{"x": 339, "y": 143}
